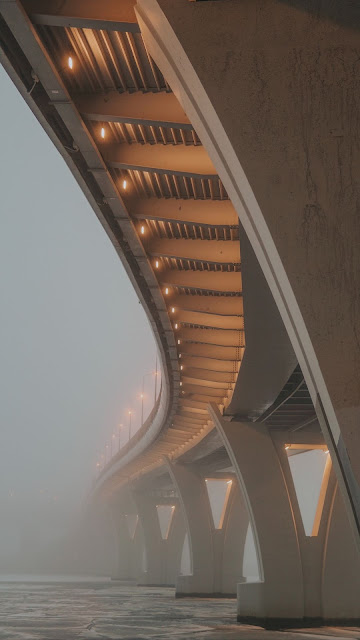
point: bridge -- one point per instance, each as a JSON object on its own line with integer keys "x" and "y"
{"x": 218, "y": 144}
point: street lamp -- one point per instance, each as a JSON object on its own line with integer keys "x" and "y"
{"x": 156, "y": 377}
{"x": 111, "y": 443}
{"x": 120, "y": 427}
{"x": 142, "y": 403}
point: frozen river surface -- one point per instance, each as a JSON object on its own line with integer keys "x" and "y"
{"x": 108, "y": 611}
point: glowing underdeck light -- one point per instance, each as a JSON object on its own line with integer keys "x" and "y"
{"x": 142, "y": 230}
{"x": 124, "y": 184}
{"x": 172, "y": 309}
{"x": 156, "y": 264}
{"x": 70, "y": 62}
{"x": 102, "y": 132}
{"x": 167, "y": 291}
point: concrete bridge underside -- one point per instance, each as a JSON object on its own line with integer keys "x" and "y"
{"x": 218, "y": 144}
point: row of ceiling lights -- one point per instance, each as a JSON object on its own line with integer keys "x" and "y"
{"x": 142, "y": 228}
{"x": 142, "y": 231}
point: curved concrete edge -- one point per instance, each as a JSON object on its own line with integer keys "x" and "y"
{"x": 150, "y": 430}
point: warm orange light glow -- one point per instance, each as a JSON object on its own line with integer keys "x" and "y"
{"x": 142, "y": 230}
{"x": 167, "y": 291}
{"x": 172, "y": 309}
{"x": 180, "y": 384}
{"x": 176, "y": 325}
{"x": 287, "y": 446}
{"x": 124, "y": 184}
{"x": 179, "y": 341}
{"x": 181, "y": 367}
{"x": 179, "y": 355}
{"x": 156, "y": 264}
{"x": 70, "y": 62}
{"x": 327, "y": 451}
{"x": 102, "y": 132}
{"x": 141, "y": 395}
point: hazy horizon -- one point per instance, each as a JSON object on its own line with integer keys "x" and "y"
{"x": 75, "y": 341}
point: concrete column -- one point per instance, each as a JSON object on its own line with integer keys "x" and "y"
{"x": 340, "y": 569}
{"x": 273, "y": 90}
{"x": 174, "y": 545}
{"x": 127, "y": 566}
{"x": 234, "y": 532}
{"x": 196, "y": 509}
{"x": 278, "y": 595}
{"x": 330, "y": 559}
{"x": 216, "y": 554}
{"x": 163, "y": 556}
{"x": 311, "y": 547}
{"x": 301, "y": 577}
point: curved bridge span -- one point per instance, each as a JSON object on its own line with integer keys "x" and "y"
{"x": 207, "y": 172}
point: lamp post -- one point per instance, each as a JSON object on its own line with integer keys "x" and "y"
{"x": 156, "y": 375}
{"x": 111, "y": 443}
{"x": 142, "y": 405}
{"x": 120, "y": 427}
{"x": 142, "y": 395}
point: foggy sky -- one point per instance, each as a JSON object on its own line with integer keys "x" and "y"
{"x": 74, "y": 340}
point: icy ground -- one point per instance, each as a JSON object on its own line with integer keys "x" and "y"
{"x": 104, "y": 610}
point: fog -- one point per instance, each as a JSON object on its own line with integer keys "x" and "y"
{"x": 74, "y": 341}
{"x": 74, "y": 347}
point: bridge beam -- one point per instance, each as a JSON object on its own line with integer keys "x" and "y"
{"x": 84, "y": 14}
{"x": 180, "y": 160}
{"x": 154, "y": 109}
{"x": 210, "y": 320}
{"x": 233, "y": 354}
{"x": 221, "y": 337}
{"x": 222, "y": 282}
{"x": 222, "y": 306}
{"x": 204, "y": 212}
{"x": 211, "y": 251}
